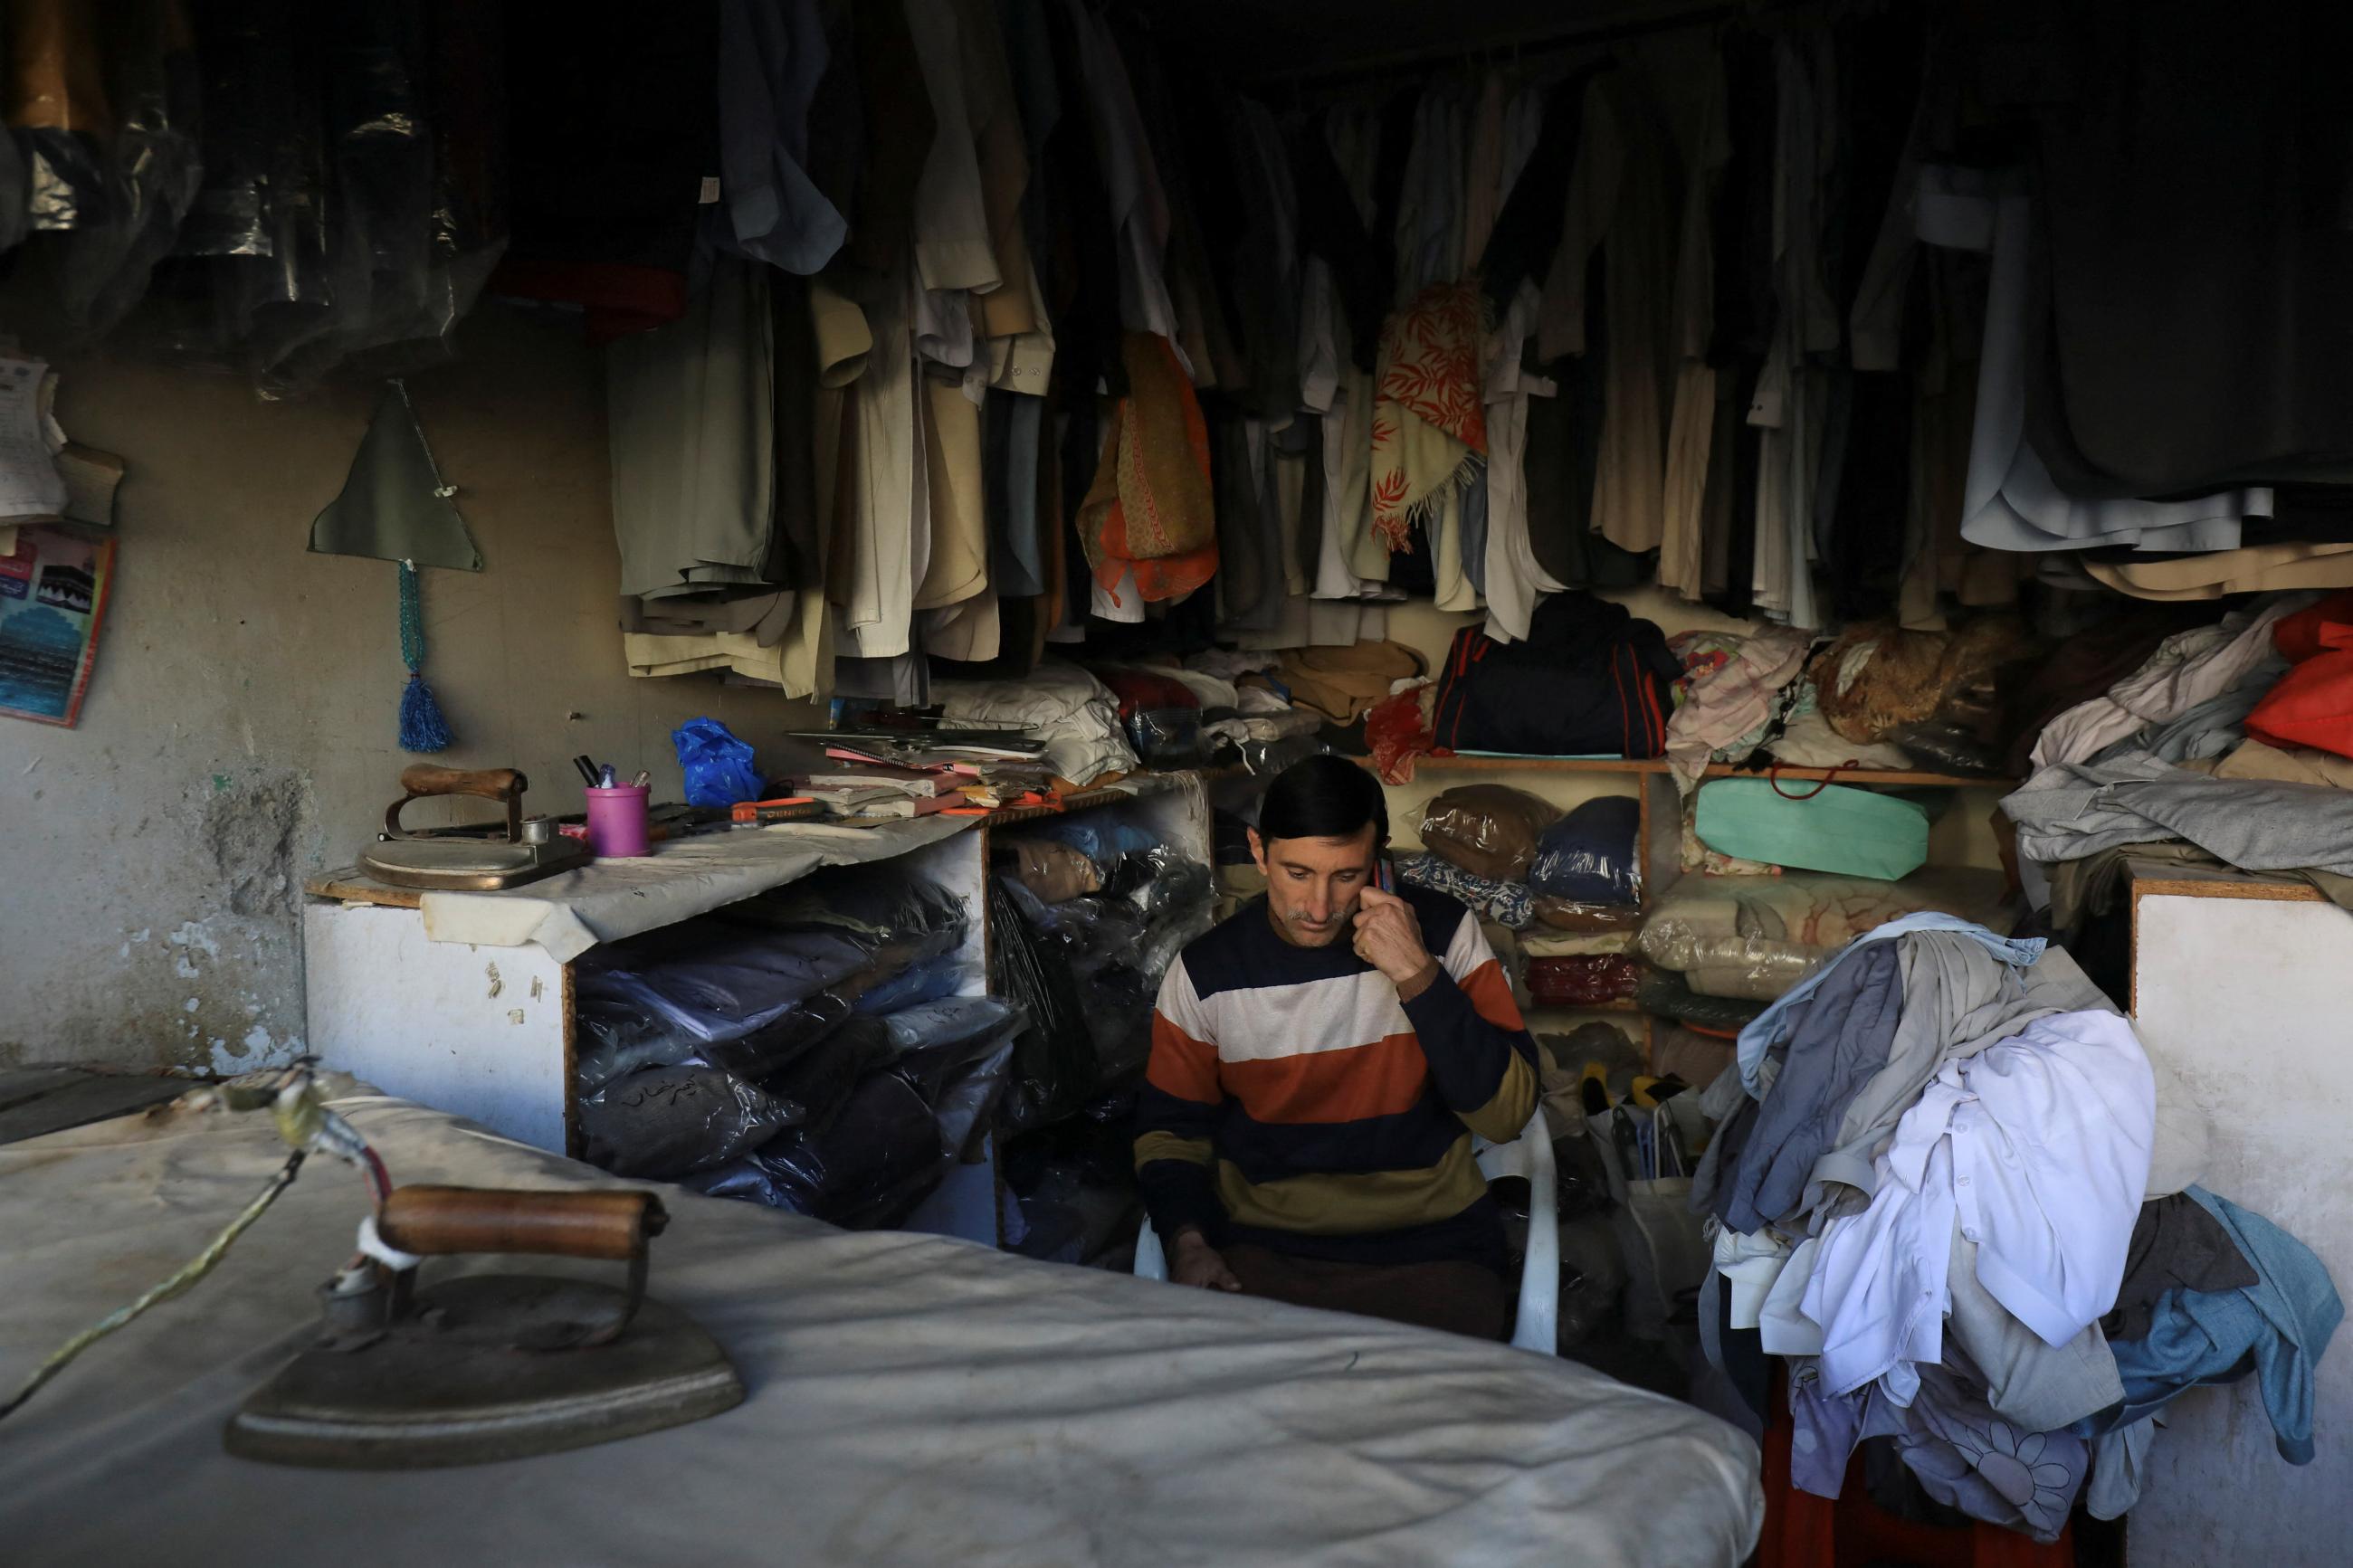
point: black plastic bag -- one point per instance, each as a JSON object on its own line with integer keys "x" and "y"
{"x": 667, "y": 1122}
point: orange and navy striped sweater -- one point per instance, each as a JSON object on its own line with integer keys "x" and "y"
{"x": 1293, "y": 1102}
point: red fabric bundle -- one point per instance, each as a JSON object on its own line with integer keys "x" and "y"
{"x": 2312, "y": 705}
{"x": 1582, "y": 981}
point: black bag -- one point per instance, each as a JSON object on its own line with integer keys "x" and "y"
{"x": 1590, "y": 680}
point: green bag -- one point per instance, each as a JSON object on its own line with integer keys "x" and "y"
{"x": 1854, "y": 832}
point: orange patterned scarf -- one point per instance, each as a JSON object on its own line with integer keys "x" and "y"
{"x": 1429, "y": 421}
{"x": 1149, "y": 509}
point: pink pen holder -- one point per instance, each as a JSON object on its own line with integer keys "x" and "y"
{"x": 617, "y": 821}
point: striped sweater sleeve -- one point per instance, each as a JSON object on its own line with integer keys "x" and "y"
{"x": 1480, "y": 1056}
{"x": 1177, "y": 1111}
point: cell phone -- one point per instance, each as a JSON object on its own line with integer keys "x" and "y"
{"x": 1385, "y": 872}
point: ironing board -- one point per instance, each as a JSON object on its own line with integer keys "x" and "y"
{"x": 914, "y": 1401}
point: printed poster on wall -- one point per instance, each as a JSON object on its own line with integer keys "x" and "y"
{"x": 52, "y": 598}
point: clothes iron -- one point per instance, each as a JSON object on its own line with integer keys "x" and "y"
{"x": 481, "y": 1367}
{"x": 466, "y": 858}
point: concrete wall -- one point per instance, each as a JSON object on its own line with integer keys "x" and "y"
{"x": 239, "y": 730}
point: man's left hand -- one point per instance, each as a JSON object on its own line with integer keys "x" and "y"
{"x": 1389, "y": 939}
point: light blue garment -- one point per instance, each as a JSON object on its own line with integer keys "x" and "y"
{"x": 1769, "y": 1027}
{"x": 2278, "y": 1326}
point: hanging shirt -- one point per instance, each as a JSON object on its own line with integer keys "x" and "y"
{"x": 953, "y": 248}
{"x": 2037, "y": 1147}
{"x": 2012, "y": 503}
{"x": 771, "y": 57}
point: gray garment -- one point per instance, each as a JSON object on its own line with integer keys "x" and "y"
{"x": 2072, "y": 810}
{"x": 2039, "y": 1386}
{"x": 2207, "y": 728}
{"x": 692, "y": 434}
{"x": 762, "y": 613}
{"x": 2119, "y": 1463}
{"x": 1725, "y": 1098}
{"x": 1959, "y": 998}
{"x": 1837, "y": 1040}
{"x": 2177, "y": 1245}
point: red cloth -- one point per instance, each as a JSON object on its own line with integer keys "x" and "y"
{"x": 2312, "y": 705}
{"x": 2305, "y": 635}
{"x": 1582, "y": 981}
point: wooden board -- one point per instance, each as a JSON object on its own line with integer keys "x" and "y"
{"x": 353, "y": 886}
{"x": 1863, "y": 778}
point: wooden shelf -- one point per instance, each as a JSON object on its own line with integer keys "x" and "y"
{"x": 1641, "y": 767}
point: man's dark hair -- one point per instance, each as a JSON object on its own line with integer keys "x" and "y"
{"x": 1323, "y": 797}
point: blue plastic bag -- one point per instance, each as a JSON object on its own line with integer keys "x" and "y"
{"x": 1587, "y": 856}
{"x": 717, "y": 765}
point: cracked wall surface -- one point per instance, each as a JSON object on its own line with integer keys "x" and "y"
{"x": 239, "y": 736}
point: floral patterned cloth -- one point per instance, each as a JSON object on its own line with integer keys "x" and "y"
{"x": 1429, "y": 423}
{"x": 1510, "y": 902}
{"x": 1964, "y": 1456}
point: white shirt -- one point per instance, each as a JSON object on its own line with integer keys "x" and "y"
{"x": 2038, "y": 1147}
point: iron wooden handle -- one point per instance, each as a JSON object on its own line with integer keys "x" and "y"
{"x": 609, "y": 1224}
{"x": 492, "y": 784}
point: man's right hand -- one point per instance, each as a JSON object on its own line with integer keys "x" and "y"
{"x": 1193, "y": 1261}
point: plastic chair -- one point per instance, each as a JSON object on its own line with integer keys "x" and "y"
{"x": 1537, "y": 1325}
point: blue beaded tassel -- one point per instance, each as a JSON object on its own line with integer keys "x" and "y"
{"x": 422, "y": 727}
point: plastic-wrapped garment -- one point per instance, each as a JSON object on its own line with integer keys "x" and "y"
{"x": 965, "y": 1104}
{"x": 150, "y": 170}
{"x": 1103, "y": 837}
{"x": 715, "y": 980}
{"x": 1754, "y": 938}
{"x": 667, "y": 1122}
{"x": 1665, "y": 995}
{"x": 1588, "y": 919}
{"x": 1173, "y": 882}
{"x": 1071, "y": 1215}
{"x": 871, "y": 905}
{"x": 1582, "y": 981}
{"x": 1592, "y": 855}
{"x": 867, "y": 1171}
{"x": 820, "y": 1078}
{"x": 1264, "y": 759}
{"x": 617, "y": 1039}
{"x": 1540, "y": 940}
{"x": 718, "y": 767}
{"x": 1054, "y": 873}
{"x": 1489, "y": 830}
{"x": 1875, "y": 680}
{"x": 58, "y": 112}
{"x": 932, "y": 1031}
{"x": 777, "y": 1042}
{"x": 1168, "y": 738}
{"x": 1509, "y": 902}
{"x": 356, "y": 207}
{"x": 946, "y": 975}
{"x": 1053, "y": 1057}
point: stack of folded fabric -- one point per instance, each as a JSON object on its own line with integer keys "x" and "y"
{"x": 1952, "y": 1190}
{"x": 1569, "y": 885}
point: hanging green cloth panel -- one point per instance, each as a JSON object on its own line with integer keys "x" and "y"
{"x": 394, "y": 505}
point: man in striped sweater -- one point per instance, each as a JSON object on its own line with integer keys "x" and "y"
{"x": 1320, "y": 1062}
